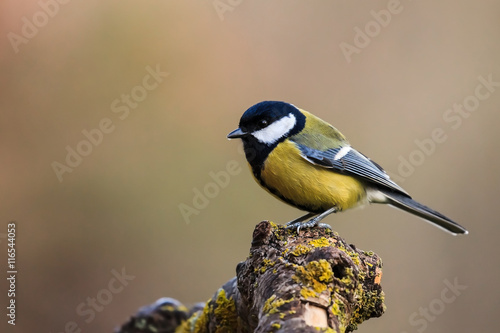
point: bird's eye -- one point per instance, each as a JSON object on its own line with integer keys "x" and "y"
{"x": 263, "y": 123}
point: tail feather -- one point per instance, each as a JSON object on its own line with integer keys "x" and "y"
{"x": 411, "y": 206}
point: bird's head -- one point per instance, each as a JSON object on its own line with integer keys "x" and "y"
{"x": 268, "y": 123}
{"x": 263, "y": 126}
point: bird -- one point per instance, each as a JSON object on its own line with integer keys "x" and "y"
{"x": 309, "y": 164}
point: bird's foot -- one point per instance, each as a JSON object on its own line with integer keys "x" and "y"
{"x": 324, "y": 226}
{"x": 300, "y": 219}
{"x": 297, "y": 223}
{"x": 306, "y": 225}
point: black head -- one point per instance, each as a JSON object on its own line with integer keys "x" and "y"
{"x": 269, "y": 122}
{"x": 264, "y": 126}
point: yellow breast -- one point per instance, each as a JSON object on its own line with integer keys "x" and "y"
{"x": 291, "y": 178}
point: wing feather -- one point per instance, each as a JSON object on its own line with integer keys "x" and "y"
{"x": 352, "y": 163}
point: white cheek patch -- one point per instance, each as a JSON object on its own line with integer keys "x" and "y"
{"x": 276, "y": 130}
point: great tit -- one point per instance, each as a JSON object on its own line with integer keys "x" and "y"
{"x": 309, "y": 164}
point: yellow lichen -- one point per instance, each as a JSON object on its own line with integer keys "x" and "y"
{"x": 268, "y": 262}
{"x": 307, "y": 293}
{"x": 276, "y": 325}
{"x": 300, "y": 250}
{"x": 338, "y": 310}
{"x": 367, "y": 303}
{"x": 273, "y": 225}
{"x": 320, "y": 242}
{"x": 198, "y": 322}
{"x": 326, "y": 330}
{"x": 168, "y": 307}
{"x": 349, "y": 276}
{"x": 355, "y": 257}
{"x": 316, "y": 274}
{"x": 225, "y": 312}
{"x": 273, "y": 303}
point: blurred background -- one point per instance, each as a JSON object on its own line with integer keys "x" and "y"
{"x": 114, "y": 116}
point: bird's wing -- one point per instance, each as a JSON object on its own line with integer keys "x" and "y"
{"x": 349, "y": 161}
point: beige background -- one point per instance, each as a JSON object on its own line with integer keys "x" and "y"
{"x": 120, "y": 207}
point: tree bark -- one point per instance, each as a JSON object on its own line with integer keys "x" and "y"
{"x": 289, "y": 282}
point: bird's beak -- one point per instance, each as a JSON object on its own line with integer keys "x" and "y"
{"x": 236, "y": 134}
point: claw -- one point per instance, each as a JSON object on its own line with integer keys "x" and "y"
{"x": 314, "y": 222}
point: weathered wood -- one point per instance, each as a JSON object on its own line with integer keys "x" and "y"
{"x": 289, "y": 282}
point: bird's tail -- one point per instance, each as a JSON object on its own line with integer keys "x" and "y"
{"x": 409, "y": 205}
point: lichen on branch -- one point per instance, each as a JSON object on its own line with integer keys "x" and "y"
{"x": 308, "y": 282}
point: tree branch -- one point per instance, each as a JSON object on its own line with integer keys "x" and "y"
{"x": 289, "y": 282}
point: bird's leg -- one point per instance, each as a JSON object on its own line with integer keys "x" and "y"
{"x": 301, "y": 218}
{"x": 312, "y": 222}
